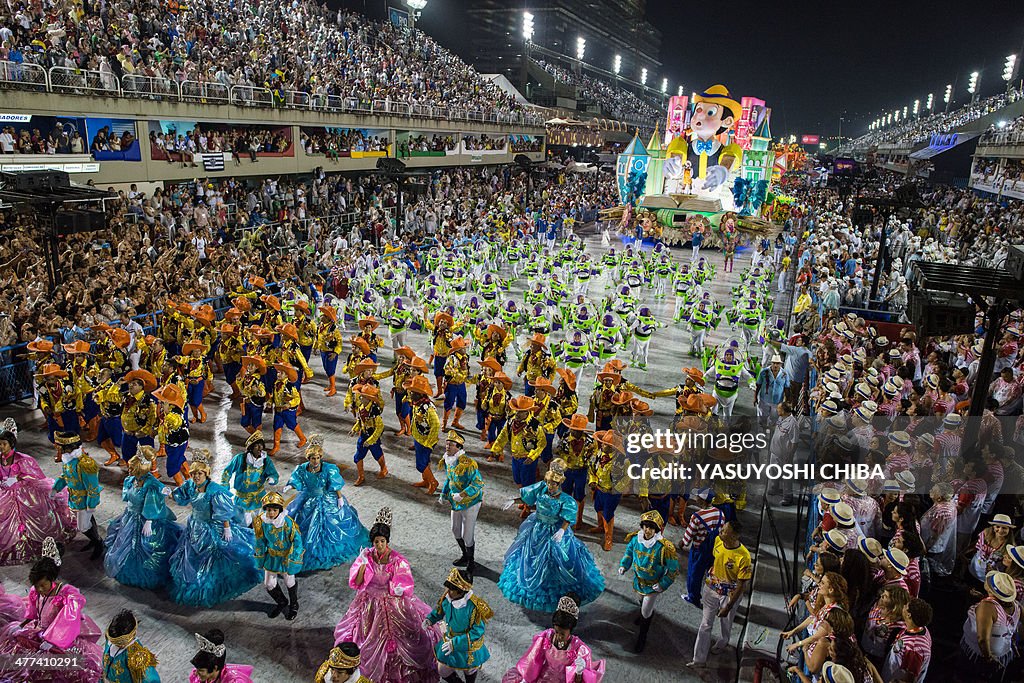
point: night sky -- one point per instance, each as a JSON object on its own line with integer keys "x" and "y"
{"x": 811, "y": 61}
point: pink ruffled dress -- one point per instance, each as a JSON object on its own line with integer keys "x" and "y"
{"x": 544, "y": 663}
{"x": 385, "y": 620}
{"x": 60, "y": 620}
{"x": 27, "y": 513}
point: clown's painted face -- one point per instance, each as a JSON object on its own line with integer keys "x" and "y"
{"x": 708, "y": 117}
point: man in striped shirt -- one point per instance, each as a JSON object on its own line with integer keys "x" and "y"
{"x": 699, "y": 538}
{"x": 911, "y": 652}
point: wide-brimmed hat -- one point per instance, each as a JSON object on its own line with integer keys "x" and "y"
{"x": 614, "y": 365}
{"x": 370, "y": 322}
{"x": 405, "y": 352}
{"x": 419, "y": 384}
{"x": 695, "y": 374}
{"x": 621, "y": 398}
{"x": 898, "y": 559}
{"x": 836, "y": 673}
{"x": 147, "y": 378}
{"x": 242, "y": 303}
{"x": 367, "y": 390}
{"x": 289, "y": 370}
{"x": 303, "y": 306}
{"x": 289, "y": 330}
{"x": 52, "y": 370}
{"x": 505, "y": 380}
{"x": 830, "y": 496}
{"x": 120, "y": 337}
{"x": 257, "y": 281}
{"x": 254, "y": 361}
{"x": 443, "y": 317}
{"x": 193, "y": 345}
{"x": 901, "y": 439}
{"x": 568, "y": 376}
{"x": 609, "y": 438}
{"x": 906, "y": 479}
{"x": 613, "y": 376}
{"x": 361, "y": 344}
{"x": 459, "y": 343}
{"x": 366, "y": 364}
{"x": 79, "y": 347}
{"x": 496, "y": 329}
{"x": 329, "y": 312}
{"x": 170, "y": 393}
{"x": 1001, "y": 585}
{"x": 271, "y": 301}
{"x": 871, "y": 547}
{"x": 952, "y": 421}
{"x": 836, "y": 539}
{"x": 419, "y": 364}
{"x": 545, "y": 385}
{"x": 40, "y": 346}
{"x": 1002, "y": 520}
{"x": 522, "y": 403}
{"x": 538, "y": 339}
{"x": 843, "y": 514}
{"x": 577, "y": 422}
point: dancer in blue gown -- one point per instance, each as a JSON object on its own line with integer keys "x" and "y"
{"x": 215, "y": 560}
{"x": 546, "y": 560}
{"x": 331, "y": 530}
{"x": 140, "y": 541}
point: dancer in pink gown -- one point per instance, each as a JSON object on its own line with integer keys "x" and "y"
{"x": 556, "y": 655}
{"x": 211, "y": 662}
{"x": 54, "y": 625}
{"x": 385, "y": 618}
{"x": 28, "y": 515}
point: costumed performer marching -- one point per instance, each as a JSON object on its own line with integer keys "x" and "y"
{"x": 211, "y": 662}
{"x": 214, "y": 560}
{"x": 54, "y": 623}
{"x": 463, "y": 490}
{"x": 141, "y": 539}
{"x": 31, "y": 515}
{"x": 546, "y": 560}
{"x": 556, "y": 655}
{"x": 654, "y": 563}
{"x": 330, "y": 526}
{"x": 342, "y": 666}
{"x": 465, "y": 616}
{"x": 125, "y": 659}
{"x": 385, "y": 618}
{"x": 279, "y": 552}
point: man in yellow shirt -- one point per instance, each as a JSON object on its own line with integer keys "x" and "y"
{"x": 724, "y": 585}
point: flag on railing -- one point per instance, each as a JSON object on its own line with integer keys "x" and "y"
{"x": 213, "y": 162}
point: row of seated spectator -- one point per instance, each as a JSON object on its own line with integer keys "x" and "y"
{"x": 300, "y": 46}
{"x": 619, "y": 103}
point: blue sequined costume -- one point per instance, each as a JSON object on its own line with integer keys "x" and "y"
{"x": 331, "y": 530}
{"x": 538, "y": 571}
{"x": 206, "y": 569}
{"x": 133, "y": 558}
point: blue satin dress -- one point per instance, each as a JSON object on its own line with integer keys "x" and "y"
{"x": 206, "y": 569}
{"x": 134, "y": 559}
{"x": 331, "y": 530}
{"x": 538, "y": 571}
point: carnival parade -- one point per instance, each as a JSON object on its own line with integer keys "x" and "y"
{"x": 328, "y": 355}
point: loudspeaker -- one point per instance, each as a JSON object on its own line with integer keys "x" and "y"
{"x": 72, "y": 222}
{"x": 940, "y": 314}
{"x": 862, "y": 217}
{"x": 35, "y": 181}
{"x": 389, "y": 165}
{"x": 416, "y": 189}
{"x": 1015, "y": 261}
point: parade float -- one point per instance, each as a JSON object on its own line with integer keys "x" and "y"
{"x": 711, "y": 169}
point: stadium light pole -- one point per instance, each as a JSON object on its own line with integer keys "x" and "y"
{"x": 643, "y": 77}
{"x": 415, "y": 10}
{"x": 1008, "y": 70}
{"x": 930, "y": 103}
{"x": 973, "y": 85}
{"x": 680, "y": 91}
{"x": 948, "y": 96}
